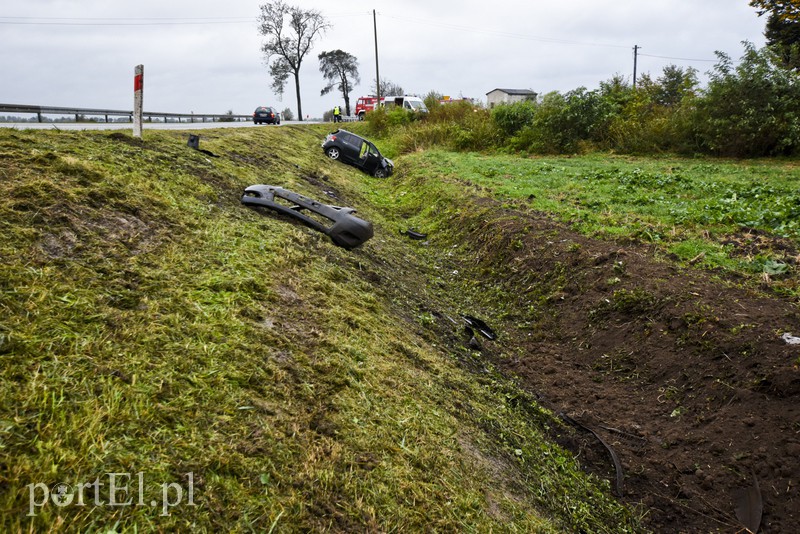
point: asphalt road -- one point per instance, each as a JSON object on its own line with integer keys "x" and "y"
{"x": 129, "y": 126}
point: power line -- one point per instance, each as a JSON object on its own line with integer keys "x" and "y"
{"x": 534, "y": 38}
{"x": 679, "y": 58}
{"x": 122, "y": 18}
{"x": 127, "y": 21}
{"x": 139, "y": 21}
{"x": 175, "y": 23}
{"x": 194, "y": 21}
{"x": 502, "y": 33}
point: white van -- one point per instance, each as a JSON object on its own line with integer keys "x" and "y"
{"x": 411, "y": 103}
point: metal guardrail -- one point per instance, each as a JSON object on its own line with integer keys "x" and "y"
{"x": 82, "y": 113}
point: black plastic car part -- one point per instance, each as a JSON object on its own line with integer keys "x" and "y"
{"x": 414, "y": 235}
{"x": 194, "y": 142}
{"x": 344, "y": 229}
{"x": 480, "y": 326}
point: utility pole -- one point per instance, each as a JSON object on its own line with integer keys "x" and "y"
{"x": 377, "y": 72}
{"x": 635, "y": 56}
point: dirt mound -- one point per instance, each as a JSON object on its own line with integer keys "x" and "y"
{"x": 684, "y": 376}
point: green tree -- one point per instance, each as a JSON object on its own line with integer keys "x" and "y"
{"x": 341, "y": 71}
{"x": 291, "y": 32}
{"x": 788, "y": 10}
{"x": 751, "y": 109}
{"x": 784, "y": 36}
{"x": 618, "y": 92}
{"x": 287, "y": 114}
{"x": 675, "y": 84}
{"x": 783, "y": 28}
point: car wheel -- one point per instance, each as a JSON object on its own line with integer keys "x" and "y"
{"x": 333, "y": 153}
{"x": 380, "y": 173}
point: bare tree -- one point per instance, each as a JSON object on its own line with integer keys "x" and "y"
{"x": 341, "y": 71}
{"x": 291, "y": 32}
{"x": 388, "y": 87}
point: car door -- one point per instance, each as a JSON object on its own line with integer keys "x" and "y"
{"x": 371, "y": 158}
{"x": 363, "y": 156}
{"x": 351, "y": 147}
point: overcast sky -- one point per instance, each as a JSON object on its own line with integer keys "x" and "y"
{"x": 205, "y": 56}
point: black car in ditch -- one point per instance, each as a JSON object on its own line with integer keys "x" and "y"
{"x": 354, "y": 150}
{"x": 266, "y": 115}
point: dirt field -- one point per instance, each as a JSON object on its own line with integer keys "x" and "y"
{"x": 684, "y": 376}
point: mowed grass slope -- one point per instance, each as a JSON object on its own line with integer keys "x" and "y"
{"x": 152, "y": 327}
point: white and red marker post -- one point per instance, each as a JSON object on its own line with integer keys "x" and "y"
{"x": 138, "y": 89}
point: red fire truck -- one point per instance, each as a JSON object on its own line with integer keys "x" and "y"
{"x": 364, "y": 104}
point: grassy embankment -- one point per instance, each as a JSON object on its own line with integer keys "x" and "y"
{"x": 151, "y": 324}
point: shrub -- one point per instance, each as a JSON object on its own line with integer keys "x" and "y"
{"x": 377, "y": 122}
{"x": 397, "y": 116}
{"x": 565, "y": 123}
{"x": 750, "y": 110}
{"x": 451, "y": 126}
{"x": 511, "y": 118}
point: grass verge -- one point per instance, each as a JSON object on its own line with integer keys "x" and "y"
{"x": 161, "y": 343}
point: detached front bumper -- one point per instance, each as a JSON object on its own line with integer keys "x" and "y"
{"x": 345, "y": 229}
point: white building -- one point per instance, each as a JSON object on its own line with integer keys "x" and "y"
{"x": 508, "y": 96}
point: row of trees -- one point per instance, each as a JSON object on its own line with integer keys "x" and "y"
{"x": 747, "y": 109}
{"x": 291, "y": 32}
{"x": 750, "y": 109}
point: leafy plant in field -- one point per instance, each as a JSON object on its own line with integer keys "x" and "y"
{"x": 748, "y": 205}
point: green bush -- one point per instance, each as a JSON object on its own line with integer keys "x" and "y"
{"x": 458, "y": 126}
{"x": 750, "y": 110}
{"x": 565, "y": 123}
{"x": 377, "y": 122}
{"x": 511, "y": 118}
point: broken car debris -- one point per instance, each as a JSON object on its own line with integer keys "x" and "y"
{"x": 346, "y": 230}
{"x": 194, "y": 142}
{"x": 790, "y": 339}
{"x": 619, "y": 480}
{"x": 480, "y": 326}
{"x": 750, "y": 506}
{"x": 414, "y": 235}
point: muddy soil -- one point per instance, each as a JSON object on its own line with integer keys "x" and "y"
{"x": 683, "y": 375}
